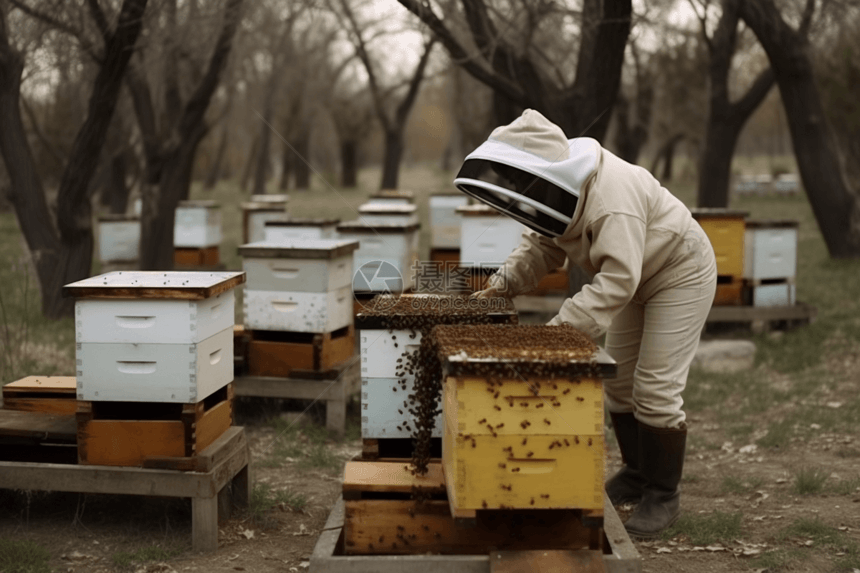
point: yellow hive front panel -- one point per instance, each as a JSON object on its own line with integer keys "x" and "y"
{"x": 523, "y": 472}
{"x": 727, "y": 239}
{"x": 560, "y": 407}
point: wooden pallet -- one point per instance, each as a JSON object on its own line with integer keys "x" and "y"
{"x": 272, "y": 353}
{"x": 334, "y": 386}
{"x": 49, "y": 394}
{"x": 763, "y": 318}
{"x": 151, "y": 434}
{"x": 189, "y": 257}
{"x": 214, "y": 491}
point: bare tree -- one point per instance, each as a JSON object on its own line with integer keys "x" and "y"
{"x": 353, "y": 115}
{"x": 833, "y": 201}
{"x": 524, "y": 55}
{"x": 633, "y": 118}
{"x": 62, "y": 246}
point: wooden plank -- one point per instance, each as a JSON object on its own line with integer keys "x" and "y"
{"x": 129, "y": 442}
{"x": 221, "y": 448}
{"x": 300, "y": 388}
{"x": 361, "y": 476}
{"x": 63, "y": 406}
{"x": 335, "y": 351}
{"x": 41, "y": 384}
{"x": 213, "y": 423}
{"x": 37, "y": 426}
{"x": 204, "y": 524}
{"x": 581, "y": 561}
{"x": 118, "y": 287}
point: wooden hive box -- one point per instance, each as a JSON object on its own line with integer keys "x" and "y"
{"x": 279, "y": 354}
{"x": 281, "y": 230}
{"x": 298, "y": 285}
{"x": 119, "y": 238}
{"x": 444, "y": 221}
{"x": 197, "y": 224}
{"x": 487, "y": 236}
{"x": 725, "y": 229}
{"x": 255, "y": 215}
{"x": 392, "y": 197}
{"x": 384, "y": 213}
{"x": 523, "y": 411}
{"x": 151, "y": 336}
{"x": 385, "y": 257}
{"x": 47, "y": 394}
{"x": 390, "y": 330}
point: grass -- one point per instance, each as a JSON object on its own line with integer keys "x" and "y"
{"x": 127, "y": 559}
{"x": 23, "y": 557}
{"x": 264, "y": 499}
{"x": 707, "y": 529}
{"x": 741, "y": 486}
{"x": 309, "y": 446}
{"x": 809, "y": 480}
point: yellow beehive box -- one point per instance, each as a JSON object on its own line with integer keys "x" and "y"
{"x": 523, "y": 415}
{"x": 725, "y": 229}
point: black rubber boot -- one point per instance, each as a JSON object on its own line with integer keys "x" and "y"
{"x": 661, "y": 462}
{"x": 627, "y": 484}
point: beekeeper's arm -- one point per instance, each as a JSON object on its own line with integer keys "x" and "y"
{"x": 535, "y": 256}
{"x": 617, "y": 250}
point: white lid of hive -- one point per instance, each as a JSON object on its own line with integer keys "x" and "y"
{"x": 185, "y": 285}
{"x": 360, "y": 226}
{"x": 267, "y": 198}
{"x": 301, "y": 222}
{"x": 386, "y": 209}
{"x": 392, "y": 194}
{"x": 199, "y": 204}
{"x": 299, "y": 249}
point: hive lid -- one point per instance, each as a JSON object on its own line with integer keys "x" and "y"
{"x": 359, "y": 226}
{"x": 184, "y": 285}
{"x": 118, "y": 218}
{"x": 413, "y": 311}
{"x": 392, "y": 194}
{"x": 306, "y": 222}
{"x": 451, "y": 193}
{"x": 520, "y": 351}
{"x": 386, "y": 209}
{"x": 42, "y": 385}
{"x": 477, "y": 211}
{"x": 772, "y": 224}
{"x": 267, "y": 206}
{"x": 270, "y": 198}
{"x": 200, "y": 203}
{"x": 299, "y": 249}
{"x": 705, "y": 213}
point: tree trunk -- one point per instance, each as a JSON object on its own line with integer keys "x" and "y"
{"x": 716, "y": 164}
{"x": 286, "y": 167}
{"x": 301, "y": 170}
{"x": 250, "y": 162}
{"x": 348, "y": 164}
{"x": 391, "y": 159}
{"x": 118, "y": 189}
{"x": 214, "y": 174}
{"x": 834, "y": 204}
{"x": 669, "y": 160}
{"x": 261, "y": 169}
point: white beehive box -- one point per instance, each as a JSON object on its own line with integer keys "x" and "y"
{"x": 313, "y": 266}
{"x": 382, "y": 214}
{"x": 385, "y": 412}
{"x": 255, "y": 215}
{"x": 390, "y": 249}
{"x": 275, "y": 199}
{"x": 444, "y": 221}
{"x": 147, "y": 336}
{"x": 298, "y": 311}
{"x": 770, "y": 249}
{"x": 281, "y": 230}
{"x": 198, "y": 224}
{"x": 487, "y": 236}
{"x": 776, "y": 294}
{"x": 119, "y": 238}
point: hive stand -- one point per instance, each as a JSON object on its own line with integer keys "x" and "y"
{"x": 221, "y": 481}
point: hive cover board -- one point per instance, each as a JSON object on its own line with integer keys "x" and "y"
{"x": 155, "y": 284}
{"x": 299, "y": 249}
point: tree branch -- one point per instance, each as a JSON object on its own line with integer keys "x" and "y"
{"x": 703, "y": 22}
{"x": 100, "y": 19}
{"x": 57, "y": 24}
{"x": 50, "y": 147}
{"x": 403, "y": 108}
{"x": 756, "y": 93}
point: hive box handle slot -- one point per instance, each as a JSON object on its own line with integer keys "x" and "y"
{"x": 531, "y": 466}
{"x": 135, "y": 321}
{"x": 285, "y": 273}
{"x": 128, "y": 367}
{"x": 283, "y": 306}
{"x": 215, "y": 357}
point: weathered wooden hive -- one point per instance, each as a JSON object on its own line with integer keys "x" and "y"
{"x": 523, "y": 418}
{"x": 259, "y": 210}
{"x": 385, "y": 257}
{"x": 391, "y": 329}
{"x": 487, "y": 237}
{"x": 288, "y": 229}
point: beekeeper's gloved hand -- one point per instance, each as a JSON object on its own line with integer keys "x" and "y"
{"x": 556, "y": 321}
{"x": 496, "y": 288}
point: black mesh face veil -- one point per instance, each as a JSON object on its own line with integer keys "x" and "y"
{"x": 535, "y": 202}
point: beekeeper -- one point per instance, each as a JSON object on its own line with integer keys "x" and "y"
{"x": 653, "y": 281}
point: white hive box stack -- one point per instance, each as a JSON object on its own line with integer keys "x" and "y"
{"x": 382, "y": 214}
{"x": 385, "y": 257}
{"x": 119, "y": 239}
{"x": 290, "y": 229}
{"x": 770, "y": 261}
{"x": 392, "y": 197}
{"x": 299, "y": 285}
{"x": 255, "y": 214}
{"x": 154, "y": 336}
{"x": 444, "y": 221}
{"x": 198, "y": 224}
{"x": 487, "y": 236}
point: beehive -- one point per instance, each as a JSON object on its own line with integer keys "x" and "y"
{"x": 523, "y": 412}
{"x": 770, "y": 249}
{"x": 487, "y": 236}
{"x": 385, "y": 257}
{"x": 392, "y": 197}
{"x": 119, "y": 238}
{"x": 391, "y": 330}
{"x": 289, "y": 229}
{"x": 257, "y": 212}
{"x": 197, "y": 224}
{"x": 725, "y": 229}
{"x": 444, "y": 221}
{"x": 383, "y": 214}
{"x": 154, "y": 336}
{"x": 298, "y": 285}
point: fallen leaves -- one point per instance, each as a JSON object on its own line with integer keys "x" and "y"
{"x": 247, "y": 533}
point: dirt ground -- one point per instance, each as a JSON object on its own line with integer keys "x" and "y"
{"x": 85, "y": 533}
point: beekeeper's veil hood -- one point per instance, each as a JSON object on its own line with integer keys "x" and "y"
{"x": 530, "y": 171}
